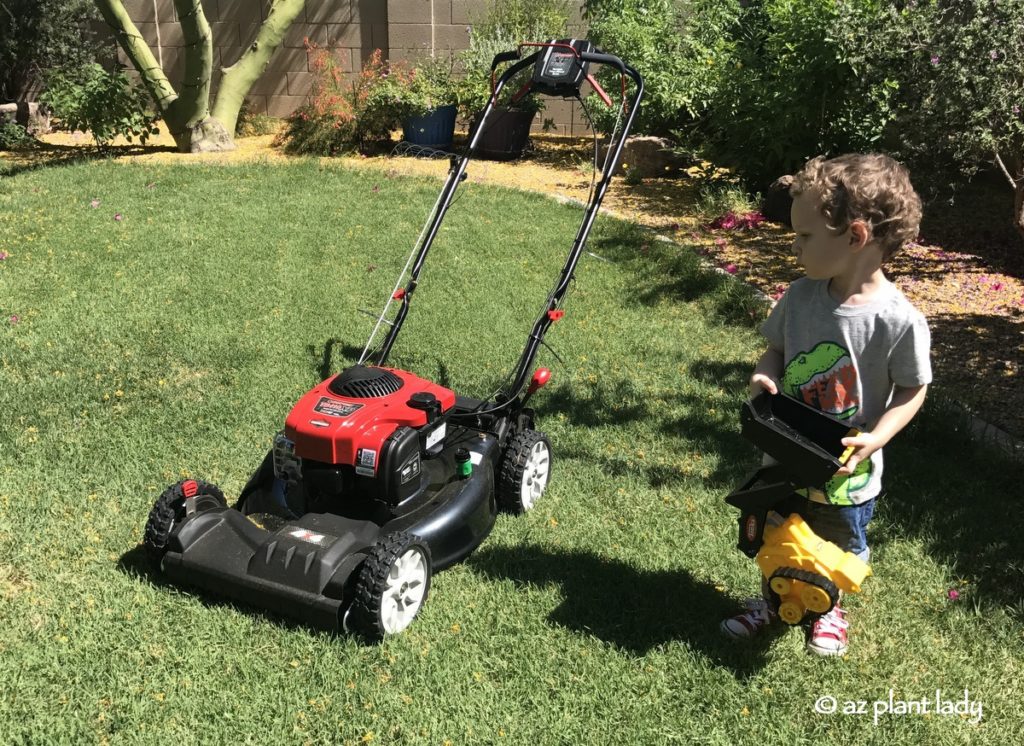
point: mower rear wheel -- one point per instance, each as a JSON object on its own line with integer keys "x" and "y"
{"x": 525, "y": 471}
{"x": 170, "y": 509}
{"x": 392, "y": 586}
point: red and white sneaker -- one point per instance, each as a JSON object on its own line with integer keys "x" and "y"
{"x": 748, "y": 624}
{"x": 827, "y": 636}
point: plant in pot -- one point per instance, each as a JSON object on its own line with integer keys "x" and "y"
{"x": 429, "y": 104}
{"x": 505, "y": 25}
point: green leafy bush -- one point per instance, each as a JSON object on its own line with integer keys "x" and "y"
{"x": 252, "y": 124}
{"x": 413, "y": 91}
{"x": 677, "y": 47}
{"x": 104, "y": 103}
{"x": 37, "y": 36}
{"x": 791, "y": 89}
{"x": 15, "y": 137}
{"x": 504, "y": 25}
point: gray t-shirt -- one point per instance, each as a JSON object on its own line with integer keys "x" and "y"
{"x": 845, "y": 360}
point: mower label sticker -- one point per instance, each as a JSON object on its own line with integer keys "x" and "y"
{"x": 366, "y": 461}
{"x": 437, "y": 435}
{"x": 411, "y": 469}
{"x": 334, "y": 408}
{"x": 310, "y": 537}
{"x": 476, "y": 458}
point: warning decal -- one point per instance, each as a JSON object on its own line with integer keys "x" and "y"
{"x": 335, "y": 408}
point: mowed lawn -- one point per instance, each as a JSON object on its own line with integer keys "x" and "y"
{"x": 158, "y": 322}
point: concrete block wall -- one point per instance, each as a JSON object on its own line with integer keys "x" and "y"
{"x": 406, "y": 30}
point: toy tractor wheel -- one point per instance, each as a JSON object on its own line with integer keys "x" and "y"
{"x": 525, "y": 471}
{"x": 170, "y": 509}
{"x": 392, "y": 586}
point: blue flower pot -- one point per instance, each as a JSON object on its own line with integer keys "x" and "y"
{"x": 433, "y": 130}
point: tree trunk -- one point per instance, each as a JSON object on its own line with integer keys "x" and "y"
{"x": 239, "y": 77}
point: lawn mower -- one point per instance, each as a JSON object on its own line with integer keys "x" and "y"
{"x": 380, "y": 477}
{"x": 804, "y": 572}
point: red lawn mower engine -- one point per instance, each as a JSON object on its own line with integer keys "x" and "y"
{"x": 363, "y": 433}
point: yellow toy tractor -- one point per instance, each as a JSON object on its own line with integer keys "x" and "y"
{"x": 804, "y": 572}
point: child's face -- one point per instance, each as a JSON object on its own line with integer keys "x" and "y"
{"x": 822, "y": 252}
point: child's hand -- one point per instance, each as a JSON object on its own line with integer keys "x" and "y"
{"x": 865, "y": 444}
{"x": 760, "y": 382}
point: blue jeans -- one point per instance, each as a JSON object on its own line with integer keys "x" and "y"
{"x": 843, "y": 525}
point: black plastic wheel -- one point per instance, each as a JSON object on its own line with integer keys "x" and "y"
{"x": 169, "y": 510}
{"x": 525, "y": 471}
{"x": 392, "y": 586}
{"x": 811, "y": 579}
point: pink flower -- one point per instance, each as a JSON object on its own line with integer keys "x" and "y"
{"x": 719, "y": 242}
{"x": 94, "y": 204}
{"x": 118, "y": 217}
{"x": 993, "y": 55}
{"x": 997, "y": 286}
{"x": 3, "y": 255}
{"x": 14, "y": 319}
{"x": 953, "y": 594}
{"x": 935, "y": 59}
{"x": 731, "y": 269}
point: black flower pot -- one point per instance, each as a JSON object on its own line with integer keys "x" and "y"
{"x": 505, "y": 135}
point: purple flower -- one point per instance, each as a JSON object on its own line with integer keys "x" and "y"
{"x": 935, "y": 59}
{"x": 14, "y": 319}
{"x": 118, "y": 217}
{"x": 731, "y": 269}
{"x": 993, "y": 55}
{"x": 953, "y": 594}
{"x": 1015, "y": 109}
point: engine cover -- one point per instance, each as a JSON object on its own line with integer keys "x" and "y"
{"x": 347, "y": 419}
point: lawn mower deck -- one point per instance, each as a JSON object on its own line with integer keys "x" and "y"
{"x": 379, "y": 477}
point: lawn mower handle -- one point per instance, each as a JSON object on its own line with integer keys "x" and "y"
{"x": 457, "y": 173}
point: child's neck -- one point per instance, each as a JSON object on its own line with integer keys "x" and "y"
{"x": 858, "y": 288}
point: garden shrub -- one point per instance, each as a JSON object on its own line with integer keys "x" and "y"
{"x": 792, "y": 89}
{"x": 958, "y": 72}
{"x": 337, "y": 117}
{"x": 678, "y": 47}
{"x": 37, "y": 36}
{"x": 14, "y": 137}
{"x": 104, "y": 103}
{"x": 505, "y": 24}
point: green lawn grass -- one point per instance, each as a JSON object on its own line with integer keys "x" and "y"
{"x": 173, "y": 341}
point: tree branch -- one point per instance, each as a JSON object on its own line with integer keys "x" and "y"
{"x": 138, "y": 51}
{"x": 238, "y": 79}
{"x": 193, "y": 106}
{"x": 1006, "y": 172}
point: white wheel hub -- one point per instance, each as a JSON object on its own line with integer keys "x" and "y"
{"x": 535, "y": 474}
{"x": 403, "y": 593}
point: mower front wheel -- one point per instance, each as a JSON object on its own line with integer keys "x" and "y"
{"x": 170, "y": 509}
{"x": 392, "y": 586}
{"x": 525, "y": 471}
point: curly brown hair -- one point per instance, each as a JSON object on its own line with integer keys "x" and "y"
{"x": 870, "y": 187}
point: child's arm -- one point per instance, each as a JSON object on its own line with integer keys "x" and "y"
{"x": 906, "y": 401}
{"x": 767, "y": 373}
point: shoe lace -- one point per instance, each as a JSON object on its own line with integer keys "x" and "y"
{"x": 834, "y": 622}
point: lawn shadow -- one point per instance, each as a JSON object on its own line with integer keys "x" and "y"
{"x": 633, "y": 610}
{"x": 962, "y": 499}
{"x": 50, "y": 155}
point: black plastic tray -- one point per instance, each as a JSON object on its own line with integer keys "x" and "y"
{"x": 807, "y": 442}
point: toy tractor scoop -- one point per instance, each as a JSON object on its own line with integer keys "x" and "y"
{"x": 804, "y": 572}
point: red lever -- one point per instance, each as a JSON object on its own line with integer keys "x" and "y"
{"x": 599, "y": 90}
{"x": 556, "y": 314}
{"x": 399, "y": 294}
{"x": 540, "y": 377}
